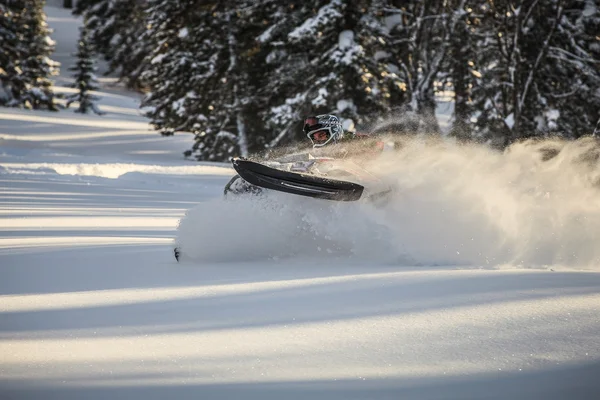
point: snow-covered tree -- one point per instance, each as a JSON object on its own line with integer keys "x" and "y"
{"x": 37, "y": 66}
{"x": 241, "y": 75}
{"x": 328, "y": 56}
{"x": 569, "y": 89}
{"x": 116, "y": 27}
{"x": 422, "y": 34}
{"x": 458, "y": 74}
{"x": 538, "y": 70}
{"x": 84, "y": 74}
{"x": 185, "y": 69}
{"x": 12, "y": 84}
{"x": 175, "y": 61}
{"x": 204, "y": 76}
{"x": 25, "y": 60}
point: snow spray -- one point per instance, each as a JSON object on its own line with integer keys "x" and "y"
{"x": 535, "y": 204}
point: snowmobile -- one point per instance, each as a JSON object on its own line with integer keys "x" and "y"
{"x": 335, "y": 175}
{"x": 304, "y": 175}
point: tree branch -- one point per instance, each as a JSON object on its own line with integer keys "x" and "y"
{"x": 524, "y": 21}
{"x": 541, "y": 54}
{"x": 567, "y": 94}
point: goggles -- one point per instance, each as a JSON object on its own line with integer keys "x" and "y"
{"x": 320, "y": 137}
{"x": 318, "y": 134}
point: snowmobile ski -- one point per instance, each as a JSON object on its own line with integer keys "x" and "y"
{"x": 296, "y": 183}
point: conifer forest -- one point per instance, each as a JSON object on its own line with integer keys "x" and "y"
{"x": 240, "y": 75}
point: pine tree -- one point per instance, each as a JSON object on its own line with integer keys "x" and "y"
{"x": 37, "y": 66}
{"x": 11, "y": 80}
{"x": 264, "y": 65}
{"x": 85, "y": 80}
{"x": 199, "y": 74}
{"x": 241, "y": 75}
{"x": 116, "y": 27}
{"x": 26, "y": 64}
{"x": 187, "y": 55}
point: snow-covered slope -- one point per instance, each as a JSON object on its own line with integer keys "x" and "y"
{"x": 93, "y": 305}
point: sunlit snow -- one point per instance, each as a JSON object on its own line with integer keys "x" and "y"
{"x": 480, "y": 280}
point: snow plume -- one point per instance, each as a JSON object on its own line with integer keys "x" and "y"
{"x": 276, "y": 226}
{"x": 536, "y": 204}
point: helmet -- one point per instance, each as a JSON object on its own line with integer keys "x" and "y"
{"x": 323, "y": 129}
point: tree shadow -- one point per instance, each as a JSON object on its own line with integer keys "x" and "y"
{"x": 292, "y": 302}
{"x": 563, "y": 382}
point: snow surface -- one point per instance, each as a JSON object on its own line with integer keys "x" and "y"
{"x": 183, "y": 33}
{"x": 346, "y": 39}
{"x": 266, "y": 35}
{"x": 363, "y": 303}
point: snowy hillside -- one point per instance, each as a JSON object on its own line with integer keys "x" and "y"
{"x": 490, "y": 288}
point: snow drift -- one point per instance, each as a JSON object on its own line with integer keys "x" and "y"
{"x": 535, "y": 204}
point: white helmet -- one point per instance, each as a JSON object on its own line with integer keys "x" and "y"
{"x": 323, "y": 129}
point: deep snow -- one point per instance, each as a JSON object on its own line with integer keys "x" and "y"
{"x": 296, "y": 300}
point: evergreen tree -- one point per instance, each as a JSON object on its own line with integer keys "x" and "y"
{"x": 200, "y": 74}
{"x": 189, "y": 54}
{"x": 37, "y": 66}
{"x": 26, "y": 64}
{"x": 241, "y": 75}
{"x": 85, "y": 79}
{"x": 12, "y": 84}
{"x": 116, "y": 27}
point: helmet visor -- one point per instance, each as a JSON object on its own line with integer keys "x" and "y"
{"x": 311, "y": 124}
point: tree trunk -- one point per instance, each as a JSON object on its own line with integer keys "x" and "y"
{"x": 68, "y": 3}
{"x": 460, "y": 72}
{"x": 427, "y": 115}
{"x": 242, "y": 138}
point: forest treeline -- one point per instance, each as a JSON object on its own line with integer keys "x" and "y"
{"x": 241, "y": 74}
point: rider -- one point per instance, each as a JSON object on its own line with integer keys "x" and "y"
{"x": 325, "y": 132}
{"x": 326, "y": 129}
{"x": 321, "y": 130}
